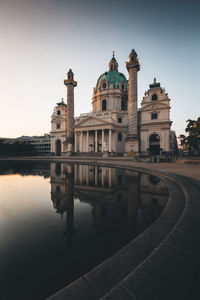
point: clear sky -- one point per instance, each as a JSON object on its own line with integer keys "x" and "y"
{"x": 41, "y": 39}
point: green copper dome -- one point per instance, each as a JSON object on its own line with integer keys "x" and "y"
{"x": 113, "y": 78}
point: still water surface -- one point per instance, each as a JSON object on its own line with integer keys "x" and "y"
{"x": 58, "y": 221}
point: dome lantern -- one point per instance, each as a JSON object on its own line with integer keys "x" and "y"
{"x": 113, "y": 65}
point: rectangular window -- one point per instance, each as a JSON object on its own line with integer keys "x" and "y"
{"x": 154, "y": 116}
{"x": 58, "y": 126}
{"x": 119, "y": 120}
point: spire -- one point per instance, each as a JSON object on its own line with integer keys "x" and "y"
{"x": 113, "y": 65}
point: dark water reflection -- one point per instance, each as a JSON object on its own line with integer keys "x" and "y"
{"x": 96, "y": 211}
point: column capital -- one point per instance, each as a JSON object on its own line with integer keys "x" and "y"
{"x": 70, "y": 82}
{"x": 133, "y": 62}
{"x": 70, "y": 79}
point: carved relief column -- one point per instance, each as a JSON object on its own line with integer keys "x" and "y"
{"x": 110, "y": 141}
{"x": 70, "y": 84}
{"x": 133, "y": 66}
{"x": 102, "y": 141}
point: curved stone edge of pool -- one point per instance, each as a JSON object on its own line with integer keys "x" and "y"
{"x": 160, "y": 263}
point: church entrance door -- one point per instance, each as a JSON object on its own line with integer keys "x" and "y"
{"x": 58, "y": 147}
{"x": 154, "y": 144}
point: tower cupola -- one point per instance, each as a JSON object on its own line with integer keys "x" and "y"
{"x": 113, "y": 65}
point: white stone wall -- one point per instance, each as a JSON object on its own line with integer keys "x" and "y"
{"x": 160, "y": 126}
{"x": 58, "y": 133}
{"x": 113, "y": 99}
{"x": 53, "y": 143}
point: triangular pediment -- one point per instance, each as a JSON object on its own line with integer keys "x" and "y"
{"x": 92, "y": 121}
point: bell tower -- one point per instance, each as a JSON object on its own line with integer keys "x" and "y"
{"x": 70, "y": 84}
{"x": 132, "y": 140}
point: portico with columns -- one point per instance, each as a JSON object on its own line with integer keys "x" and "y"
{"x": 95, "y": 138}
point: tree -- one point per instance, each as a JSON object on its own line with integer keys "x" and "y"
{"x": 193, "y": 138}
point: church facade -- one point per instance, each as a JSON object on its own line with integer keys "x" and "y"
{"x": 115, "y": 125}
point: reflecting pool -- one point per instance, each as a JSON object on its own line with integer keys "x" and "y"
{"x": 58, "y": 221}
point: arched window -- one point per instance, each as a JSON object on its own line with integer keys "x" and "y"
{"x": 119, "y": 136}
{"x": 104, "y": 85}
{"x": 154, "y": 144}
{"x": 132, "y": 58}
{"x": 154, "y": 116}
{"x": 114, "y": 67}
{"x": 122, "y": 87}
{"x": 154, "y": 138}
{"x": 111, "y": 68}
{"x": 119, "y": 120}
{"x": 104, "y": 104}
{"x": 154, "y": 97}
{"x": 58, "y": 112}
{"x": 123, "y": 105}
{"x": 58, "y": 148}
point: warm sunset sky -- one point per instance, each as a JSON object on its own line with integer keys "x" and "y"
{"x": 41, "y": 39}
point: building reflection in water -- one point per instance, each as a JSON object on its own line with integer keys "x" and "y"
{"x": 118, "y": 198}
{"x": 62, "y": 195}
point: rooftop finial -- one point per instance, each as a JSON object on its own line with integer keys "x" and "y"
{"x": 70, "y": 75}
{"x": 154, "y": 80}
{"x": 62, "y": 100}
{"x": 113, "y": 54}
